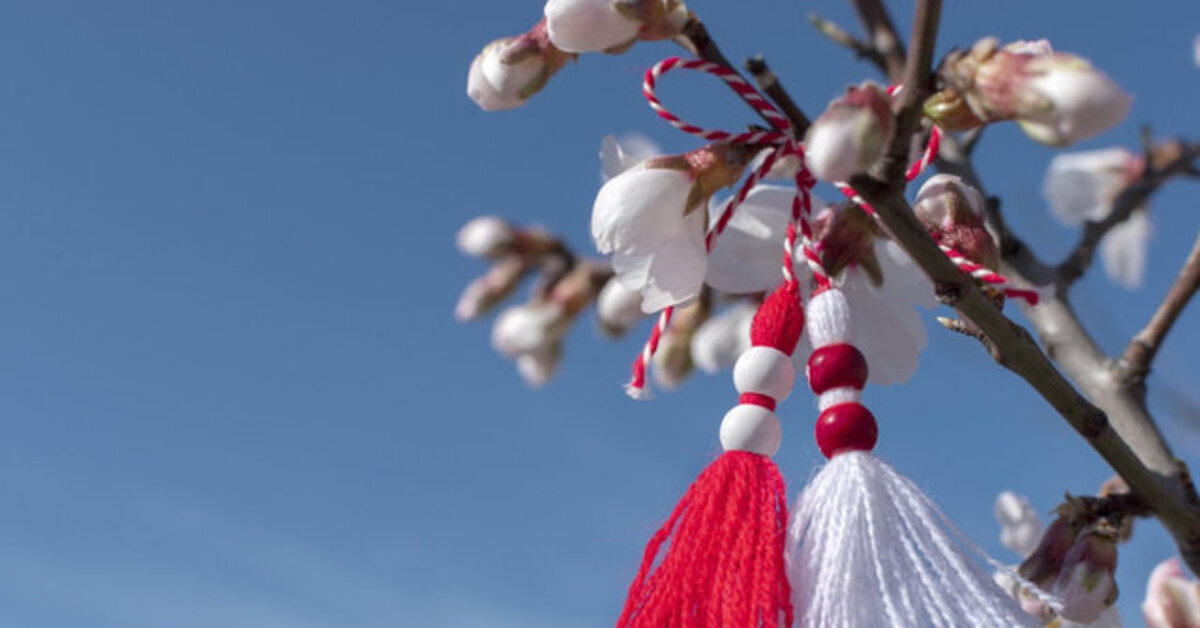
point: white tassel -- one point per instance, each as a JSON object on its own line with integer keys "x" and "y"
{"x": 867, "y": 549}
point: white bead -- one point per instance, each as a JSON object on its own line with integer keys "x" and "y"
{"x": 766, "y": 371}
{"x": 834, "y": 396}
{"x": 752, "y": 428}
{"x": 828, "y": 319}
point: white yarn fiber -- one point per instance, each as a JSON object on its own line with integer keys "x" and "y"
{"x": 867, "y": 548}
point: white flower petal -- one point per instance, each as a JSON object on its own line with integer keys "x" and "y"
{"x": 903, "y": 279}
{"x": 1124, "y": 250}
{"x": 1020, "y": 525}
{"x": 748, "y": 256}
{"x": 640, "y": 210}
{"x": 588, "y": 25}
{"x": 677, "y": 270}
{"x": 1083, "y": 103}
{"x": 620, "y": 154}
{"x": 484, "y": 93}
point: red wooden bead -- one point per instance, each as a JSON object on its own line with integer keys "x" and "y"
{"x": 835, "y": 366}
{"x": 846, "y": 427}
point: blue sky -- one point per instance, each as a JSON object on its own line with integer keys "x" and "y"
{"x": 231, "y": 389}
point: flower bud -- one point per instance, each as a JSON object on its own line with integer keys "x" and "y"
{"x": 528, "y": 328}
{"x": 1172, "y": 599}
{"x": 1043, "y": 566}
{"x": 488, "y": 290}
{"x": 612, "y": 25}
{"x": 487, "y": 237}
{"x": 510, "y": 70}
{"x": 852, "y": 133}
{"x": 1056, "y": 98}
{"x": 618, "y": 308}
{"x": 1020, "y": 526}
{"x": 952, "y": 212}
{"x": 845, "y": 237}
{"x": 673, "y": 360}
{"x": 1086, "y": 585}
{"x": 539, "y": 367}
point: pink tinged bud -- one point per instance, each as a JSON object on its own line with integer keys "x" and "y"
{"x": 722, "y": 338}
{"x": 1172, "y": 599}
{"x": 952, "y": 211}
{"x": 590, "y": 25}
{"x": 1020, "y": 526}
{"x": 1086, "y": 585}
{"x": 618, "y": 308}
{"x": 852, "y": 133}
{"x": 528, "y": 328}
{"x": 487, "y": 237}
{"x": 1069, "y": 101}
{"x": 510, "y": 70}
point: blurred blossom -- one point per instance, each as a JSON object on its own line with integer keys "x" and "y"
{"x": 612, "y": 25}
{"x": 508, "y": 71}
{"x": 718, "y": 342}
{"x": 488, "y": 290}
{"x": 651, "y": 218}
{"x": 487, "y": 237}
{"x": 618, "y": 308}
{"x": 1020, "y": 525}
{"x": 1081, "y": 187}
{"x": 673, "y": 360}
{"x": 1056, "y": 98}
{"x": 1172, "y": 599}
{"x": 852, "y": 133}
{"x": 539, "y": 367}
{"x": 528, "y": 328}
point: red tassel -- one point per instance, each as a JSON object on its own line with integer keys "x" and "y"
{"x": 724, "y": 566}
{"x": 779, "y": 320}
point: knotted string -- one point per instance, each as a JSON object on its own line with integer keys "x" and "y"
{"x": 782, "y": 145}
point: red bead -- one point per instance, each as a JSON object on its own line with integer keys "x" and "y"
{"x": 846, "y": 427}
{"x": 835, "y": 366}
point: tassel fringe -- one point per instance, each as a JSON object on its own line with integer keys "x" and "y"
{"x": 724, "y": 566}
{"x": 867, "y": 548}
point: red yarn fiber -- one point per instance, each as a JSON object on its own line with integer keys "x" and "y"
{"x": 724, "y": 566}
{"x": 779, "y": 320}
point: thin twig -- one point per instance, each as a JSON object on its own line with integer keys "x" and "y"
{"x": 861, "y": 49}
{"x": 1135, "y": 362}
{"x": 699, "y": 42}
{"x": 769, "y": 84}
{"x": 1132, "y": 197}
{"x": 883, "y": 36}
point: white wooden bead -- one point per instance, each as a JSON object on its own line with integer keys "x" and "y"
{"x": 752, "y": 428}
{"x": 834, "y": 396}
{"x": 828, "y": 319}
{"x": 766, "y": 371}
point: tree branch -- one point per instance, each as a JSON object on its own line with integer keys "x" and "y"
{"x": 884, "y": 37}
{"x": 862, "y": 49}
{"x": 769, "y": 84}
{"x": 1134, "y": 364}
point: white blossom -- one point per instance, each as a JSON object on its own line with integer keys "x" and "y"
{"x": 589, "y": 25}
{"x": 486, "y": 237}
{"x": 748, "y": 256}
{"x": 527, "y": 328}
{"x": 1081, "y": 187}
{"x": 618, "y": 308}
